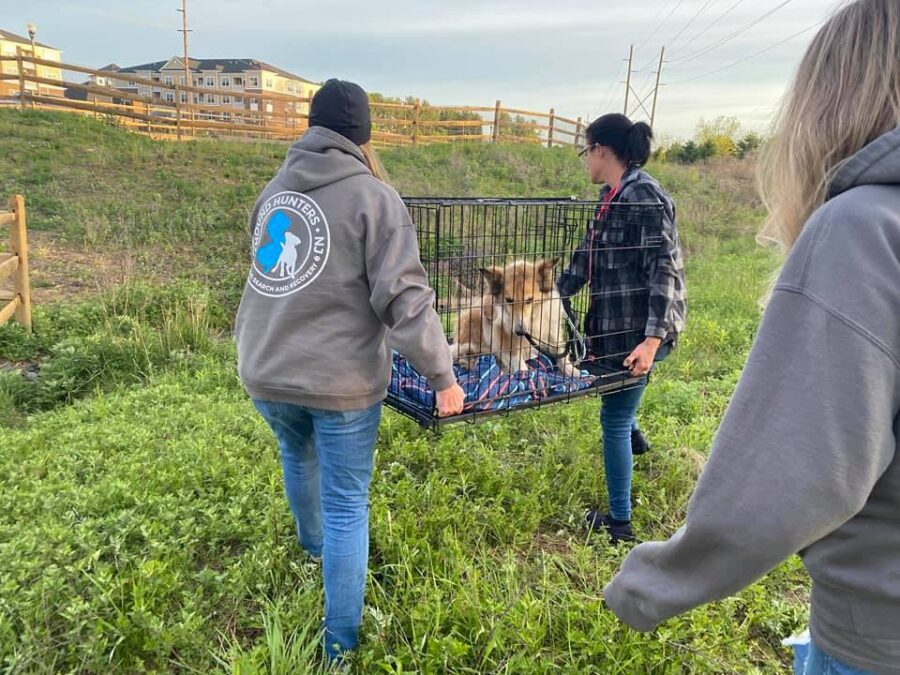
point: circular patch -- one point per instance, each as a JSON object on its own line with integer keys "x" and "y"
{"x": 291, "y": 242}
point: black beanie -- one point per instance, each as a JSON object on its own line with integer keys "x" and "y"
{"x": 342, "y": 107}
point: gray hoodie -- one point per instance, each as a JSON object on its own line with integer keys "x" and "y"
{"x": 335, "y": 265}
{"x": 808, "y": 455}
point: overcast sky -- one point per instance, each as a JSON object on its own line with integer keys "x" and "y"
{"x": 567, "y": 54}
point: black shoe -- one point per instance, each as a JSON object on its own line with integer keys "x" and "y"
{"x": 639, "y": 444}
{"x": 618, "y": 530}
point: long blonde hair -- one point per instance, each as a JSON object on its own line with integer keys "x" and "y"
{"x": 845, "y": 94}
{"x": 373, "y": 162}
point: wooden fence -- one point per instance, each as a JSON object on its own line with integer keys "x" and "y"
{"x": 195, "y": 111}
{"x": 16, "y": 302}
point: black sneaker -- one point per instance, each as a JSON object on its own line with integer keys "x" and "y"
{"x": 639, "y": 444}
{"x": 618, "y": 530}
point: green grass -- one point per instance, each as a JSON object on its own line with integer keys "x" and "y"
{"x": 143, "y": 526}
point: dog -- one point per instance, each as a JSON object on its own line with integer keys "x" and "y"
{"x": 520, "y": 298}
{"x": 287, "y": 261}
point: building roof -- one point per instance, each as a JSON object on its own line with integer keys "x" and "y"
{"x": 12, "y": 37}
{"x": 222, "y": 65}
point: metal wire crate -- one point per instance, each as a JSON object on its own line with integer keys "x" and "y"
{"x": 517, "y": 344}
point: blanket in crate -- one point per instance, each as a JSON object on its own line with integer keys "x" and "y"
{"x": 486, "y": 386}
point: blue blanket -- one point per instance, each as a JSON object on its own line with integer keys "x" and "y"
{"x": 486, "y": 386}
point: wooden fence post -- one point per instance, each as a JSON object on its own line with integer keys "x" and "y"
{"x": 578, "y": 133}
{"x": 21, "y": 66}
{"x": 550, "y": 130}
{"x": 177, "y": 112}
{"x": 496, "y": 129}
{"x": 19, "y": 242}
{"x": 415, "y": 124}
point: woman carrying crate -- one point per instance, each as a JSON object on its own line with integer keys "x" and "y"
{"x": 807, "y": 458}
{"x": 335, "y": 266}
{"x": 636, "y": 311}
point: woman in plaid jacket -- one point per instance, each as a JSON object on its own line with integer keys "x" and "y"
{"x": 637, "y": 309}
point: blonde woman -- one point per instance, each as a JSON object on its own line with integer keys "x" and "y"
{"x": 808, "y": 455}
{"x": 335, "y": 266}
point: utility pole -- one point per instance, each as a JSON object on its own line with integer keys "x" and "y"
{"x": 662, "y": 53}
{"x": 628, "y": 79}
{"x": 188, "y": 81}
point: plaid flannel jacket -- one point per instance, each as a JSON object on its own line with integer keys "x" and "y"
{"x": 631, "y": 259}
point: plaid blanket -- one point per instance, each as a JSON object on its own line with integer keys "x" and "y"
{"x": 486, "y": 386}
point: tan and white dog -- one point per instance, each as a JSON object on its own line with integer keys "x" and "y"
{"x": 520, "y": 298}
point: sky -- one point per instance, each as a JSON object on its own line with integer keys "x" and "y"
{"x": 569, "y": 54}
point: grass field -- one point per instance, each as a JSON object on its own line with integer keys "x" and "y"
{"x": 143, "y": 526}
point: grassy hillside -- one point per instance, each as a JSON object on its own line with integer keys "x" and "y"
{"x": 142, "y": 522}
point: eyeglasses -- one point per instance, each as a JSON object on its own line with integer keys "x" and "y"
{"x": 586, "y": 149}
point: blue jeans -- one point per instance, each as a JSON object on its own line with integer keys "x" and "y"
{"x": 618, "y": 419}
{"x": 327, "y": 459}
{"x": 817, "y": 662}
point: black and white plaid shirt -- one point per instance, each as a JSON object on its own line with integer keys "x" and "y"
{"x": 631, "y": 260}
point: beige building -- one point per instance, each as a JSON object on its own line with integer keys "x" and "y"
{"x": 10, "y": 43}
{"x": 237, "y": 77}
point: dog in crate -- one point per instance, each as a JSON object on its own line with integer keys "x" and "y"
{"x": 519, "y": 314}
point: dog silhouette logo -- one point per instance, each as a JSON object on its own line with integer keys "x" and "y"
{"x": 291, "y": 242}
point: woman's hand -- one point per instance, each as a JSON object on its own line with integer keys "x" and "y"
{"x": 640, "y": 360}
{"x": 450, "y": 401}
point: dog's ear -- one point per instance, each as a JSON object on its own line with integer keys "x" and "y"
{"x": 545, "y": 274}
{"x": 493, "y": 277}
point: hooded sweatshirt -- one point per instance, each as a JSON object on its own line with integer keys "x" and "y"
{"x": 807, "y": 458}
{"x": 335, "y": 266}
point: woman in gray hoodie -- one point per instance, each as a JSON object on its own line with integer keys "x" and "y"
{"x": 808, "y": 455}
{"x": 335, "y": 267}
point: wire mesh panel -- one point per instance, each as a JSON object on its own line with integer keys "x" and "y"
{"x": 541, "y": 299}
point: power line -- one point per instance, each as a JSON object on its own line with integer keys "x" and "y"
{"x": 614, "y": 82}
{"x": 704, "y": 31}
{"x": 658, "y": 14}
{"x": 729, "y": 38}
{"x": 747, "y": 58}
{"x": 662, "y": 23}
{"x": 691, "y": 21}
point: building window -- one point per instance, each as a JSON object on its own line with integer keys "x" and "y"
{"x": 156, "y": 94}
{"x": 170, "y": 97}
{"x": 169, "y": 80}
{"x": 183, "y": 97}
{"x": 210, "y": 98}
{"x": 239, "y": 82}
{"x": 181, "y": 80}
{"x": 254, "y": 82}
{"x": 196, "y": 100}
{"x": 225, "y": 82}
{"x": 198, "y": 82}
{"x": 210, "y": 82}
{"x": 269, "y": 83}
{"x": 226, "y": 100}
{"x": 239, "y": 100}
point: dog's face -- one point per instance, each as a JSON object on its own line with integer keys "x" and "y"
{"x": 517, "y": 288}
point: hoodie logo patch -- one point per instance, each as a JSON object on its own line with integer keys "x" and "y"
{"x": 291, "y": 242}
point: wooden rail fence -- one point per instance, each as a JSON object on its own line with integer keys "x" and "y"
{"x": 195, "y": 111}
{"x": 16, "y": 302}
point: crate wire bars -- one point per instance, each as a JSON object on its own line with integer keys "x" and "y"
{"x": 494, "y": 265}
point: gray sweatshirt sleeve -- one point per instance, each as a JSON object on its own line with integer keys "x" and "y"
{"x": 401, "y": 297}
{"x": 807, "y": 435}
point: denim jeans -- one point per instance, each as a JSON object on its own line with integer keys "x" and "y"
{"x": 617, "y": 420}
{"x": 810, "y": 660}
{"x": 327, "y": 459}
